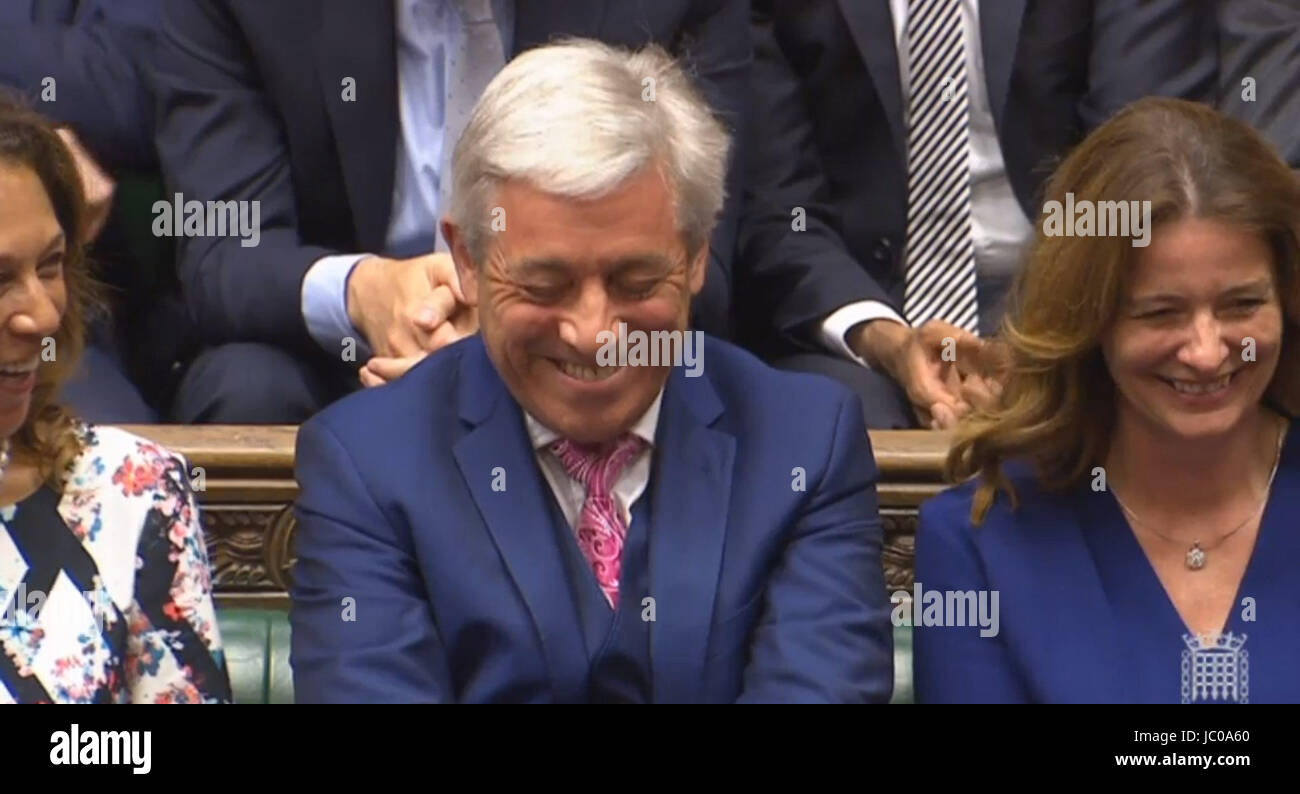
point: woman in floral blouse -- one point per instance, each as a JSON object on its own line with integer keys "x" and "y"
{"x": 105, "y": 591}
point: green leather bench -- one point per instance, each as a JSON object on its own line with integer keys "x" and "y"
{"x": 256, "y": 643}
{"x": 257, "y": 653}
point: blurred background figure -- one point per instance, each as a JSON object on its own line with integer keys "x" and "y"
{"x": 1136, "y": 490}
{"x": 107, "y": 593}
{"x": 86, "y": 64}
{"x": 1259, "y": 72}
{"x": 343, "y": 132}
{"x": 894, "y": 178}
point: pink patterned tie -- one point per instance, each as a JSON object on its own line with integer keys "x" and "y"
{"x": 600, "y": 527}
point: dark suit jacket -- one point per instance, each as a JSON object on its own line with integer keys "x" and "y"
{"x": 764, "y": 591}
{"x": 250, "y": 108}
{"x": 1260, "y": 39}
{"x": 827, "y": 131}
{"x": 100, "y": 54}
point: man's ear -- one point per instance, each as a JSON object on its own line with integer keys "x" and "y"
{"x": 699, "y": 267}
{"x": 466, "y": 269}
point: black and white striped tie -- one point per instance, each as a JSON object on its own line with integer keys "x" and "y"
{"x": 940, "y": 270}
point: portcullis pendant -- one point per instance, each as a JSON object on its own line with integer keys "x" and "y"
{"x": 1195, "y": 557}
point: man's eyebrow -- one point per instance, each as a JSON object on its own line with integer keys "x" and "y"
{"x": 653, "y": 261}
{"x": 541, "y": 265}
{"x": 57, "y": 241}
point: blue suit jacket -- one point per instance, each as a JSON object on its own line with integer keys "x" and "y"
{"x": 763, "y": 591}
{"x": 1082, "y": 616}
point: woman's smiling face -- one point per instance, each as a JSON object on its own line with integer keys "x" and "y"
{"x": 1199, "y": 334}
{"x": 33, "y": 295}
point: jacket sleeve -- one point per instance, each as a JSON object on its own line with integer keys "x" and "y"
{"x": 363, "y": 632}
{"x": 219, "y": 140}
{"x": 824, "y": 635}
{"x": 793, "y": 267}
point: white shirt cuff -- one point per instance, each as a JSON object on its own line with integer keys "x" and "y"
{"x": 835, "y": 328}
{"x": 325, "y": 303}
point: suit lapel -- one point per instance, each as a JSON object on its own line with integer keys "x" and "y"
{"x": 692, "y": 489}
{"x": 872, "y": 26}
{"x": 1045, "y": 552}
{"x": 358, "y": 40}
{"x": 1000, "y": 35}
{"x": 538, "y": 21}
{"x": 518, "y": 518}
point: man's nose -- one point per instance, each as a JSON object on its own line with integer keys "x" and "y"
{"x": 591, "y": 313}
{"x": 1206, "y": 349}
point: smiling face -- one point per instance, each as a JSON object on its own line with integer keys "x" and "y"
{"x": 1178, "y": 350}
{"x": 563, "y": 271}
{"x": 33, "y": 296}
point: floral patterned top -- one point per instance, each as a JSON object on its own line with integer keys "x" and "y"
{"x": 105, "y": 590}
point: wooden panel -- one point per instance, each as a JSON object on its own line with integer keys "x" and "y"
{"x": 244, "y": 477}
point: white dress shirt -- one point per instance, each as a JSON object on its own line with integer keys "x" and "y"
{"x": 999, "y": 227}
{"x": 570, "y": 494}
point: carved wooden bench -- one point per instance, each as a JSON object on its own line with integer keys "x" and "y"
{"x": 248, "y": 488}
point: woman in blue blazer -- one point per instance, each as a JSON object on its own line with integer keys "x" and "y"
{"x": 1132, "y": 496}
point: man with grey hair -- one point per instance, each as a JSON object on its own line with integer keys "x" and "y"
{"x": 527, "y": 522}
{"x": 343, "y": 132}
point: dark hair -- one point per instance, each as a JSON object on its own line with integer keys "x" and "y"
{"x": 50, "y": 434}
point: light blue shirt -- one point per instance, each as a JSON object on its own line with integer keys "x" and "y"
{"x": 427, "y": 34}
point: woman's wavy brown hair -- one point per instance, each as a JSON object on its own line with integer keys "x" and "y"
{"x": 1057, "y": 409}
{"x": 50, "y": 437}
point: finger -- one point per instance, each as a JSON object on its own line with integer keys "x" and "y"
{"x": 442, "y": 272}
{"x": 402, "y": 341}
{"x": 969, "y": 358}
{"x": 926, "y": 387}
{"x": 445, "y": 335}
{"x": 369, "y": 379}
{"x": 435, "y": 309}
{"x": 390, "y": 369}
{"x": 944, "y": 416}
{"x": 953, "y": 380}
{"x": 978, "y": 392}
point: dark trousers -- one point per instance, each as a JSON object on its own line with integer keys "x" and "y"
{"x": 884, "y": 404}
{"x": 100, "y": 392}
{"x": 257, "y": 384}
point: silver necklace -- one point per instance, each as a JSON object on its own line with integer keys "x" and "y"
{"x": 4, "y": 458}
{"x": 1196, "y": 556}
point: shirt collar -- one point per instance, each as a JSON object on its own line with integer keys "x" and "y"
{"x": 542, "y": 436}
